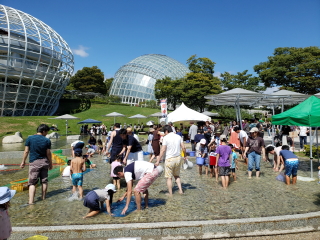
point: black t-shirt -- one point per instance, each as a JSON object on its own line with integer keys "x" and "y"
{"x": 133, "y": 142}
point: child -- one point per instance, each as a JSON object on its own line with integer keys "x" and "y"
{"x": 76, "y": 169}
{"x": 213, "y": 168}
{"x": 234, "y": 163}
{"x": 224, "y": 157}
{"x": 116, "y": 180}
{"x": 291, "y": 164}
{"x": 90, "y": 151}
{"x": 5, "y": 225}
{"x": 100, "y": 146}
{"x": 66, "y": 171}
{"x": 202, "y": 153}
{"x": 88, "y": 163}
{"x": 93, "y": 198}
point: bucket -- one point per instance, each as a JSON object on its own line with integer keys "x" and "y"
{"x": 200, "y": 160}
{"x": 213, "y": 160}
{"x": 187, "y": 165}
{"x": 191, "y": 154}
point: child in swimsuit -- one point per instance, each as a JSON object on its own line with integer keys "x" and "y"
{"x": 76, "y": 169}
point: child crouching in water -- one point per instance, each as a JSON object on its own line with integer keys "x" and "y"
{"x": 114, "y": 164}
{"x": 77, "y": 168}
{"x": 5, "y": 225}
{"x": 94, "y": 200}
{"x": 291, "y": 163}
{"x": 234, "y": 163}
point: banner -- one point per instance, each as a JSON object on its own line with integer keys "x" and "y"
{"x": 163, "y": 105}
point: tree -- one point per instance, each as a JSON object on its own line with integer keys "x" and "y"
{"x": 108, "y": 83}
{"x": 89, "y": 80}
{"x": 196, "y": 86}
{"x": 199, "y": 82}
{"x": 169, "y": 89}
{"x": 296, "y": 69}
{"x": 241, "y": 80}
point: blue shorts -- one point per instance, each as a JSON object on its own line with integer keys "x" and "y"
{"x": 291, "y": 168}
{"x": 91, "y": 201}
{"x": 77, "y": 179}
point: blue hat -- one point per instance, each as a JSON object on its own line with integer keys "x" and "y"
{"x": 78, "y": 150}
{"x": 6, "y": 194}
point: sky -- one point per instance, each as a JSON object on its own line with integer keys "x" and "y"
{"x": 235, "y": 34}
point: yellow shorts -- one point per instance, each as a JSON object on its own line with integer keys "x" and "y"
{"x": 172, "y": 166}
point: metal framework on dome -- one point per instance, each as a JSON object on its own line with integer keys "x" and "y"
{"x": 134, "y": 82}
{"x": 35, "y": 65}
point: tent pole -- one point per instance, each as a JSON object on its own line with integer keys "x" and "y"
{"x": 272, "y": 135}
{"x": 317, "y": 144}
{"x": 66, "y": 127}
{"x": 114, "y": 120}
{"x": 240, "y": 120}
{"x": 310, "y": 140}
{"x": 235, "y": 108}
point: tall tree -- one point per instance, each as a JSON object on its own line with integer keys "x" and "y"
{"x": 296, "y": 69}
{"x": 169, "y": 89}
{"x": 241, "y": 80}
{"x": 89, "y": 79}
{"x": 199, "y": 82}
{"x": 196, "y": 86}
{"x": 108, "y": 83}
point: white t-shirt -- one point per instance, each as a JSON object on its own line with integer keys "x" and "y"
{"x": 66, "y": 172}
{"x": 173, "y": 143}
{"x": 303, "y": 131}
{"x": 277, "y": 150}
{"x": 140, "y": 169}
{"x": 243, "y": 134}
{"x": 74, "y": 143}
{"x": 102, "y": 194}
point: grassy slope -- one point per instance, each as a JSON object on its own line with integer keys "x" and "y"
{"x": 27, "y": 125}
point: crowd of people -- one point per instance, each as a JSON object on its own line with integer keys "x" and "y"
{"x": 218, "y": 146}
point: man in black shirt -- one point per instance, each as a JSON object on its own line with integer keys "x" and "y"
{"x": 132, "y": 148}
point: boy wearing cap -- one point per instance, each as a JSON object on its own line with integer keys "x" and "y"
{"x": 77, "y": 168}
{"x": 254, "y": 148}
{"x": 94, "y": 200}
{"x": 5, "y": 225}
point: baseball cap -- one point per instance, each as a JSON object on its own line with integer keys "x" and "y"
{"x": 110, "y": 187}
{"x": 203, "y": 141}
{"x": 254, "y": 129}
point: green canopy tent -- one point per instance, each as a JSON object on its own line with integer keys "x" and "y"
{"x": 306, "y": 113}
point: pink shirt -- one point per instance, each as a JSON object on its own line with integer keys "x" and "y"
{"x": 114, "y": 164}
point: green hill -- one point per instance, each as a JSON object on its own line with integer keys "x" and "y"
{"x": 27, "y": 125}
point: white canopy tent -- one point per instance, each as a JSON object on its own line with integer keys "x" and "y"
{"x": 114, "y": 115}
{"x": 183, "y": 113}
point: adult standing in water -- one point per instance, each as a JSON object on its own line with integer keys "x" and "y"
{"x": 156, "y": 141}
{"x": 39, "y": 162}
{"x": 116, "y": 142}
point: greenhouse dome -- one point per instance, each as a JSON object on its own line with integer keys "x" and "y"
{"x": 134, "y": 82}
{"x": 35, "y": 65}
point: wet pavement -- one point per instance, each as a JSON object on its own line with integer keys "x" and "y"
{"x": 204, "y": 198}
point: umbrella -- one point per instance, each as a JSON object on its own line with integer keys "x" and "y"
{"x": 114, "y": 115}
{"x": 66, "y": 117}
{"x": 89, "y": 120}
{"x": 157, "y": 114}
{"x": 150, "y": 123}
{"x": 138, "y": 116}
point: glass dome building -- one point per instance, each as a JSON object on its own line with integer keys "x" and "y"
{"x": 35, "y": 65}
{"x": 134, "y": 82}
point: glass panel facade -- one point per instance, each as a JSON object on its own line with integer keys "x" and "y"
{"x": 32, "y": 56}
{"x": 138, "y": 77}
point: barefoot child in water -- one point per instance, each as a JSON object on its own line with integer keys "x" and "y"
{"x": 76, "y": 169}
{"x": 114, "y": 164}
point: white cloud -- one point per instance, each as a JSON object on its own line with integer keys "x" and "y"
{"x": 271, "y": 90}
{"x": 81, "y": 51}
